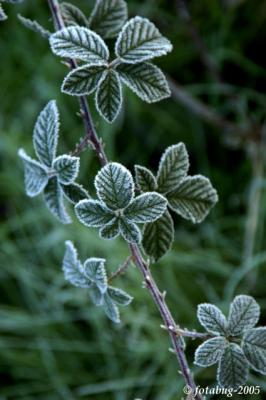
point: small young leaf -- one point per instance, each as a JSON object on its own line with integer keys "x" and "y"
{"x": 111, "y": 309}
{"x": 36, "y": 177}
{"x": 96, "y": 296}
{"x": 173, "y": 167}
{"x": 210, "y": 351}
{"x": 72, "y": 268}
{"x": 140, "y": 40}
{"x": 146, "y": 80}
{"x": 94, "y": 269}
{"x": 83, "y": 81}
{"x": 129, "y": 231}
{"x": 110, "y": 230}
{"x": 145, "y": 179}
{"x": 72, "y": 15}
{"x": 108, "y": 17}
{"x": 53, "y": 196}
{"x": 3, "y": 15}
{"x": 254, "y": 347}
{"x": 45, "y": 134}
{"x": 93, "y": 213}
{"x": 109, "y": 96}
{"x": 146, "y": 208}
{"x": 212, "y": 319}
{"x": 115, "y": 186}
{"x": 158, "y": 236}
{"x": 193, "y": 198}
{"x": 75, "y": 192}
{"x": 233, "y": 367}
{"x": 119, "y": 297}
{"x": 79, "y": 43}
{"x": 34, "y": 26}
{"x": 67, "y": 168}
{"x": 244, "y": 314}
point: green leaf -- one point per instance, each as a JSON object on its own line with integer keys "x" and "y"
{"x": 94, "y": 269}
{"x": 158, "y": 236}
{"x": 129, "y": 231}
{"x": 111, "y": 309}
{"x": 193, "y": 198}
{"x": 119, "y": 297}
{"x": 45, "y": 134}
{"x": 210, "y": 352}
{"x": 173, "y": 167}
{"x": 114, "y": 185}
{"x": 34, "y": 26}
{"x": 244, "y": 314}
{"x": 110, "y": 230}
{"x": 254, "y": 347}
{"x": 36, "y": 176}
{"x": 79, "y": 43}
{"x": 139, "y": 41}
{"x": 3, "y": 15}
{"x": 145, "y": 179}
{"x": 72, "y": 15}
{"x": 75, "y": 192}
{"x": 96, "y": 296}
{"x": 93, "y": 213}
{"x": 72, "y": 268}
{"x": 108, "y": 17}
{"x": 212, "y": 319}
{"x": 146, "y": 80}
{"x": 83, "y": 80}
{"x": 53, "y": 196}
{"x": 146, "y": 208}
{"x": 233, "y": 367}
{"x": 109, "y": 96}
{"x": 67, "y": 168}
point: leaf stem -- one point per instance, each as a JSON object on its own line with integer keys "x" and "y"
{"x": 121, "y": 270}
{"x": 158, "y": 297}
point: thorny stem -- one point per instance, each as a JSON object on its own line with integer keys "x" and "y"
{"x": 121, "y": 270}
{"x": 143, "y": 266}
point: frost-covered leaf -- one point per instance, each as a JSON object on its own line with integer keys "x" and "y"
{"x": 79, "y": 43}
{"x": 34, "y": 26}
{"x": 254, "y": 347}
{"x": 145, "y": 179}
{"x": 53, "y": 196}
{"x": 212, "y": 319}
{"x": 109, "y": 95}
{"x": 173, "y": 167}
{"x": 210, "y": 351}
{"x": 110, "y": 230}
{"x": 146, "y": 80}
{"x": 45, "y": 134}
{"x": 129, "y": 231}
{"x": 67, "y": 168}
{"x": 96, "y": 296}
{"x": 146, "y": 208}
{"x": 193, "y": 198}
{"x": 72, "y": 15}
{"x": 75, "y": 192}
{"x": 115, "y": 186}
{"x": 111, "y": 309}
{"x": 140, "y": 40}
{"x": 12, "y": 1}
{"x": 36, "y": 177}
{"x": 72, "y": 268}
{"x": 158, "y": 236}
{"x": 233, "y": 367}
{"x": 94, "y": 269}
{"x": 119, "y": 297}
{"x": 108, "y": 17}
{"x": 83, "y": 80}
{"x": 244, "y": 314}
{"x": 3, "y": 15}
{"x": 93, "y": 213}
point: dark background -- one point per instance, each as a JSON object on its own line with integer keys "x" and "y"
{"x": 53, "y": 343}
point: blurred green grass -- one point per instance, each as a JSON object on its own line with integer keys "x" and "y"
{"x": 54, "y": 343}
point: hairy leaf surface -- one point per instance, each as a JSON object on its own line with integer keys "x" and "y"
{"x": 93, "y": 213}
{"x": 34, "y": 26}
{"x": 233, "y": 367}
{"x": 129, "y": 231}
{"x": 146, "y": 208}
{"x": 53, "y": 196}
{"x": 96, "y": 296}
{"x": 109, "y": 96}
{"x": 110, "y": 230}
{"x": 72, "y": 268}
{"x": 145, "y": 179}
{"x": 210, "y": 351}
{"x": 119, "y": 297}
{"x": 111, "y": 309}
{"x": 75, "y": 192}
{"x": 254, "y": 347}
{"x": 72, "y": 15}
{"x": 94, "y": 269}
{"x": 244, "y": 314}
{"x": 3, "y": 15}
{"x": 212, "y": 319}
{"x": 36, "y": 177}
{"x": 67, "y": 168}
